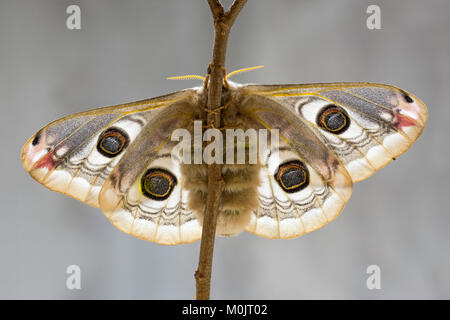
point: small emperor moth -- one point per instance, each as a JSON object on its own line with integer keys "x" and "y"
{"x": 331, "y": 135}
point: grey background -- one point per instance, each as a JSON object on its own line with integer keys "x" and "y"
{"x": 398, "y": 219}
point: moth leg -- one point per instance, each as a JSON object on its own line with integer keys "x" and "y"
{"x": 209, "y": 126}
{"x": 216, "y": 110}
{"x": 205, "y": 83}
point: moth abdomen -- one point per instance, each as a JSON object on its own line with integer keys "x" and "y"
{"x": 239, "y": 195}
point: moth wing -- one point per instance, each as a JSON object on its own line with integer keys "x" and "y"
{"x": 64, "y": 155}
{"x": 285, "y": 212}
{"x": 383, "y": 121}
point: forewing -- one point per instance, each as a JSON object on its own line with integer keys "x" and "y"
{"x": 383, "y": 123}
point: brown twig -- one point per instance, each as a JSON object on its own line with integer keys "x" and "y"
{"x": 222, "y": 25}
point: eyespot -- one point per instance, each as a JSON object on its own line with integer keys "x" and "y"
{"x": 112, "y": 142}
{"x": 407, "y": 98}
{"x": 292, "y": 176}
{"x": 157, "y": 184}
{"x": 333, "y": 119}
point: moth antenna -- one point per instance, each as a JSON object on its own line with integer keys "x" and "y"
{"x": 242, "y": 70}
{"x": 187, "y": 77}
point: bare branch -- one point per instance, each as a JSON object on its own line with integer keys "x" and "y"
{"x": 222, "y": 25}
{"x": 234, "y": 11}
{"x": 216, "y": 8}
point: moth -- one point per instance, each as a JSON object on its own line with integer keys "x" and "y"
{"x": 331, "y": 135}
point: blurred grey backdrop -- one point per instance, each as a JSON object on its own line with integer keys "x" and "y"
{"x": 399, "y": 219}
